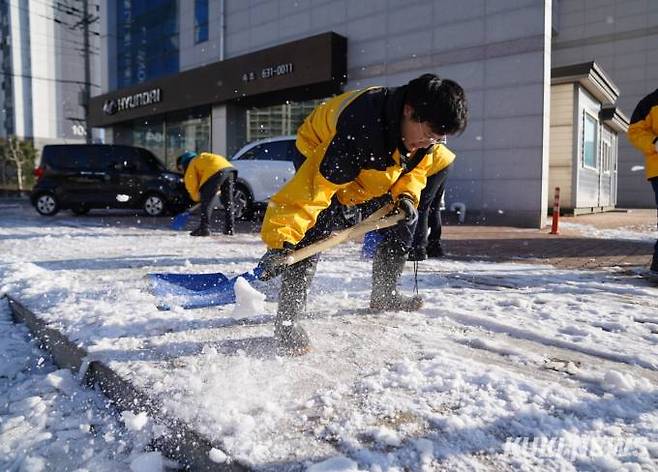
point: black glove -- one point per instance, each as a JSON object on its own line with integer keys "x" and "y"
{"x": 405, "y": 205}
{"x": 272, "y": 263}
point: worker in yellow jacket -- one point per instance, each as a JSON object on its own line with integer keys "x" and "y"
{"x": 360, "y": 147}
{"x": 208, "y": 177}
{"x": 643, "y": 134}
{"x": 427, "y": 237}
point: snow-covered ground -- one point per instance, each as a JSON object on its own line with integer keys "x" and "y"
{"x": 48, "y": 422}
{"x": 507, "y": 366}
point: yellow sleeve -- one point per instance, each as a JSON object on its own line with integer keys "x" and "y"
{"x": 191, "y": 180}
{"x": 413, "y": 182}
{"x": 293, "y": 210}
{"x": 641, "y": 135}
{"x": 442, "y": 157}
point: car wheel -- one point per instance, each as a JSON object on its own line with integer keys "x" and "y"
{"x": 80, "y": 210}
{"x": 154, "y": 205}
{"x": 242, "y": 202}
{"x": 46, "y": 204}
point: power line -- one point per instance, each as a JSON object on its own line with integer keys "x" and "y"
{"x": 56, "y": 20}
{"x": 26, "y": 76}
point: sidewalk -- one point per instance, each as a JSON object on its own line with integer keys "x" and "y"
{"x": 623, "y": 239}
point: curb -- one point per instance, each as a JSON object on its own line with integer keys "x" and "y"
{"x": 182, "y": 444}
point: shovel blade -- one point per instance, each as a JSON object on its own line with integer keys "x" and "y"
{"x": 180, "y": 221}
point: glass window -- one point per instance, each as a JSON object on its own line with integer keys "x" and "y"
{"x": 69, "y": 158}
{"x": 251, "y": 154}
{"x": 276, "y": 151}
{"x": 146, "y": 31}
{"x": 590, "y": 131}
{"x": 187, "y": 131}
{"x": 169, "y": 136}
{"x": 150, "y": 135}
{"x": 200, "y": 21}
{"x": 277, "y": 120}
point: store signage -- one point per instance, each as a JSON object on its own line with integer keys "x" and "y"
{"x": 269, "y": 72}
{"x": 305, "y": 68}
{"x": 130, "y": 102}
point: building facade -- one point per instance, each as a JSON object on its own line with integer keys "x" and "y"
{"x": 47, "y": 69}
{"x": 242, "y": 74}
{"x": 622, "y": 37}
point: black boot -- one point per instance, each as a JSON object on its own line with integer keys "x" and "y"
{"x": 290, "y": 338}
{"x": 434, "y": 250}
{"x": 387, "y": 266}
{"x": 201, "y": 231}
{"x": 418, "y": 253}
{"x": 654, "y": 266}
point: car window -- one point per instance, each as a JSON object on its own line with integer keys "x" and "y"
{"x": 274, "y": 151}
{"x": 130, "y": 160}
{"x": 251, "y": 154}
{"x": 72, "y": 158}
{"x": 151, "y": 161}
{"x": 99, "y": 157}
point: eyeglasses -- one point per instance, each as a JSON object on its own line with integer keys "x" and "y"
{"x": 431, "y": 137}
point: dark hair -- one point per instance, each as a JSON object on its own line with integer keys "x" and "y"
{"x": 440, "y": 102}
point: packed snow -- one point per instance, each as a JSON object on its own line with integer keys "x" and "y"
{"x": 48, "y": 421}
{"x": 507, "y": 366}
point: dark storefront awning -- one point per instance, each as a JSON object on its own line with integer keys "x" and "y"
{"x": 310, "y": 67}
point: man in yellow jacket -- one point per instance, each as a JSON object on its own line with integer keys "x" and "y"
{"x": 643, "y": 134}
{"x": 365, "y": 146}
{"x": 204, "y": 176}
{"x": 427, "y": 237}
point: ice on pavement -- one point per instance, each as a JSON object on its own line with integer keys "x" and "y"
{"x": 500, "y": 358}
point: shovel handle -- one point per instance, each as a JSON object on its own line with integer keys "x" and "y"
{"x": 376, "y": 221}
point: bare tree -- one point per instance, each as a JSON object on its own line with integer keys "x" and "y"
{"x": 4, "y": 164}
{"x": 16, "y": 156}
{"x": 20, "y": 155}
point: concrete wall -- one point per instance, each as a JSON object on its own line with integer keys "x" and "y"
{"x": 499, "y": 52}
{"x": 561, "y": 148}
{"x": 621, "y": 36}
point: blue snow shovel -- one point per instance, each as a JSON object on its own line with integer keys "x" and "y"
{"x": 204, "y": 290}
{"x": 180, "y": 221}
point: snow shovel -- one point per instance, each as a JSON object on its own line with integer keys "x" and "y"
{"x": 203, "y": 290}
{"x": 180, "y": 221}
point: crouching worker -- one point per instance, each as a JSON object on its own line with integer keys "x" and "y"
{"x": 363, "y": 147}
{"x": 427, "y": 239}
{"x": 205, "y": 176}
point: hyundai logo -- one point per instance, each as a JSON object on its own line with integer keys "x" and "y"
{"x": 110, "y": 106}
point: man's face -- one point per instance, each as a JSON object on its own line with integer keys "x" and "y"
{"x": 416, "y": 134}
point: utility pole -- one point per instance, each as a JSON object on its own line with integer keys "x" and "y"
{"x": 86, "y": 95}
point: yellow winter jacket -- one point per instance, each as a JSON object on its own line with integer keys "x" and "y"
{"x": 643, "y": 132}
{"x": 200, "y": 169}
{"x": 442, "y": 157}
{"x": 350, "y": 144}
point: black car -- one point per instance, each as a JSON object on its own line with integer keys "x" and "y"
{"x": 85, "y": 176}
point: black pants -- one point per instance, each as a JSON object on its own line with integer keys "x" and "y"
{"x": 224, "y": 181}
{"x": 429, "y": 210}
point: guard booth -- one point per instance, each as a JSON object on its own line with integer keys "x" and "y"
{"x": 585, "y": 129}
